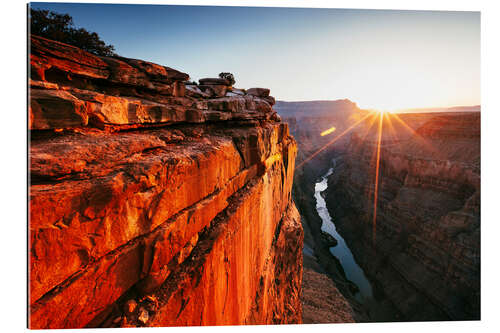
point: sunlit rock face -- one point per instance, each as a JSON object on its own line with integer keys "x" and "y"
{"x": 426, "y": 256}
{"x": 154, "y": 203}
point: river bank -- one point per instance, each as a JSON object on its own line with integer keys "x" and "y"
{"x": 335, "y": 262}
{"x": 341, "y": 251}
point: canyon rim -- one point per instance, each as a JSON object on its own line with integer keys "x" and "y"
{"x": 162, "y": 198}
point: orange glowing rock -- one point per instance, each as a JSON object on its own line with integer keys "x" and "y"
{"x": 191, "y": 224}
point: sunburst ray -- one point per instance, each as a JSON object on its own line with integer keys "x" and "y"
{"x": 377, "y": 169}
{"x": 417, "y": 136}
{"x": 332, "y": 141}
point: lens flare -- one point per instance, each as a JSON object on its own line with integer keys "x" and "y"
{"x": 333, "y": 141}
{"x": 328, "y": 131}
{"x": 377, "y": 167}
{"x": 386, "y": 116}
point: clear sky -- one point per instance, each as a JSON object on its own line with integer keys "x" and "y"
{"x": 377, "y": 58}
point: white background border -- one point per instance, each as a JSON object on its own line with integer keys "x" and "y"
{"x": 14, "y": 161}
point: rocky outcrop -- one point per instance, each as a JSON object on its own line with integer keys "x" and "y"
{"x": 322, "y": 302}
{"x": 103, "y": 92}
{"x": 154, "y": 203}
{"x": 425, "y": 256}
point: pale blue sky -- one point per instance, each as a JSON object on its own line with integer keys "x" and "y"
{"x": 377, "y": 58}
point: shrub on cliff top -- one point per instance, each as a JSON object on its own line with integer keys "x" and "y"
{"x": 60, "y": 27}
{"x": 227, "y": 76}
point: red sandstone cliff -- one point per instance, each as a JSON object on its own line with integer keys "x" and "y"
{"x": 153, "y": 202}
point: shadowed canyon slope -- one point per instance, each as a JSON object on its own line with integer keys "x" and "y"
{"x": 426, "y": 261}
{"x": 307, "y": 120}
{"x": 154, "y": 202}
{"x": 426, "y": 256}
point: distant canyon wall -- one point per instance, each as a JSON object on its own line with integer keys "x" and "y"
{"x": 426, "y": 257}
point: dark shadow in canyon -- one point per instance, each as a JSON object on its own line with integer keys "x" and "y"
{"x": 424, "y": 265}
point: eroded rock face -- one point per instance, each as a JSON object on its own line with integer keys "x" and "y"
{"x": 426, "y": 255}
{"x": 322, "y": 302}
{"x": 71, "y": 88}
{"x": 152, "y": 207}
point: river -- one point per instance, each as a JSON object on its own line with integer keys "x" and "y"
{"x": 341, "y": 251}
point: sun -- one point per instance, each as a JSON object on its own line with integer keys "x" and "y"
{"x": 373, "y": 116}
{"x": 382, "y": 111}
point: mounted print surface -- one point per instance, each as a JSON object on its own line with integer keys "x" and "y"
{"x": 168, "y": 187}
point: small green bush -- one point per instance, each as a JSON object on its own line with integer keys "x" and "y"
{"x": 228, "y": 76}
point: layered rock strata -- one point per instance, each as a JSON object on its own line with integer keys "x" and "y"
{"x": 318, "y": 155}
{"x": 154, "y": 202}
{"x": 322, "y": 302}
{"x": 424, "y": 253}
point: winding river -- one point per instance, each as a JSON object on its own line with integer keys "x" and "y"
{"x": 341, "y": 251}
